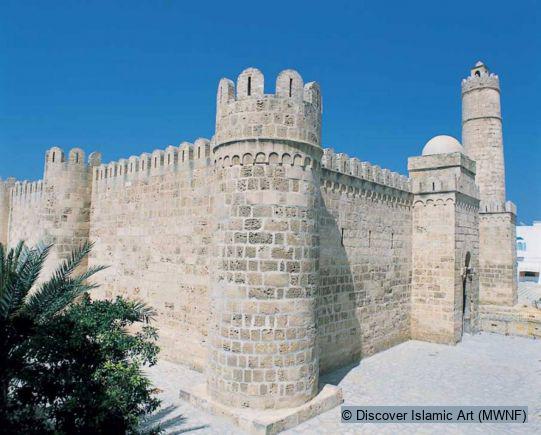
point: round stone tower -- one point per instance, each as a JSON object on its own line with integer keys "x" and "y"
{"x": 482, "y": 133}
{"x": 67, "y": 191}
{"x": 266, "y": 152}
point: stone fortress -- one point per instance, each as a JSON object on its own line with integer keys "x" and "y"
{"x": 269, "y": 259}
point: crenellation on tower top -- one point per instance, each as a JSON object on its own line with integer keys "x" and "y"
{"x": 292, "y": 113}
{"x": 250, "y": 84}
{"x": 94, "y": 158}
{"x": 54, "y": 155}
{"x": 480, "y": 77}
{"x": 289, "y": 84}
{"x": 77, "y": 156}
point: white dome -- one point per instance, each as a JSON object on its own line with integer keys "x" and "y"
{"x": 442, "y": 145}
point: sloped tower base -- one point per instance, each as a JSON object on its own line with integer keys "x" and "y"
{"x": 265, "y": 422}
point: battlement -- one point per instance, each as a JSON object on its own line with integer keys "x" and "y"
{"x": 149, "y": 164}
{"x": 245, "y": 112}
{"x": 480, "y": 77}
{"x": 27, "y": 190}
{"x": 342, "y": 163}
{"x": 6, "y": 185}
{"x": 495, "y": 206}
{"x": 56, "y": 161}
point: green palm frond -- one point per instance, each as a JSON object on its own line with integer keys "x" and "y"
{"x": 56, "y": 299}
{"x": 61, "y": 289}
{"x": 143, "y": 310}
{"x": 19, "y": 271}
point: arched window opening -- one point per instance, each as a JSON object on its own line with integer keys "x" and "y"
{"x": 53, "y": 156}
{"x": 76, "y": 157}
{"x": 478, "y": 73}
{"x": 433, "y": 186}
{"x": 249, "y": 86}
{"x": 199, "y": 152}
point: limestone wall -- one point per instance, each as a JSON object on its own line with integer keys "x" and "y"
{"x": 5, "y": 208}
{"x": 152, "y": 224}
{"x": 482, "y": 133}
{"x": 521, "y": 320}
{"x": 445, "y": 241}
{"x": 466, "y": 255}
{"x": 497, "y": 263}
{"x": 263, "y": 349}
{"x": 365, "y": 260}
{"x": 433, "y": 281}
{"x": 26, "y": 214}
{"x": 54, "y": 210}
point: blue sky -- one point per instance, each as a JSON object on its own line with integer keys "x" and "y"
{"x": 124, "y": 77}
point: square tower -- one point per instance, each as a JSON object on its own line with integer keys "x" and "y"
{"x": 445, "y": 243}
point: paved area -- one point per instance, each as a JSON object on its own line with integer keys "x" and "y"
{"x": 484, "y": 369}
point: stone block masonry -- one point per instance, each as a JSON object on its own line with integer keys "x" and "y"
{"x": 483, "y": 141}
{"x": 152, "y": 223}
{"x": 269, "y": 259}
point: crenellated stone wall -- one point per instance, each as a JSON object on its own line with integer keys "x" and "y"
{"x": 269, "y": 259}
{"x": 365, "y": 260}
{"x": 152, "y": 224}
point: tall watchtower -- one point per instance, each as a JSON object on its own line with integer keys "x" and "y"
{"x": 483, "y": 142}
{"x": 482, "y": 132}
{"x": 266, "y": 153}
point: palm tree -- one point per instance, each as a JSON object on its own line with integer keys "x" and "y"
{"x": 25, "y": 304}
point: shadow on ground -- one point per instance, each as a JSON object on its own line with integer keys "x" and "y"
{"x": 164, "y": 419}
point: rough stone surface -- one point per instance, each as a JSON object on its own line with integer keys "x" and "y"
{"x": 445, "y": 239}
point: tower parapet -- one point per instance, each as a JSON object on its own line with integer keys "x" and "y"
{"x": 480, "y": 77}
{"x": 245, "y": 112}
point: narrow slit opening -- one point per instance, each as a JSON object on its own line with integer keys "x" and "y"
{"x": 290, "y": 86}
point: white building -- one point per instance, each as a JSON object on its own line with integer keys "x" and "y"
{"x": 529, "y": 252}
